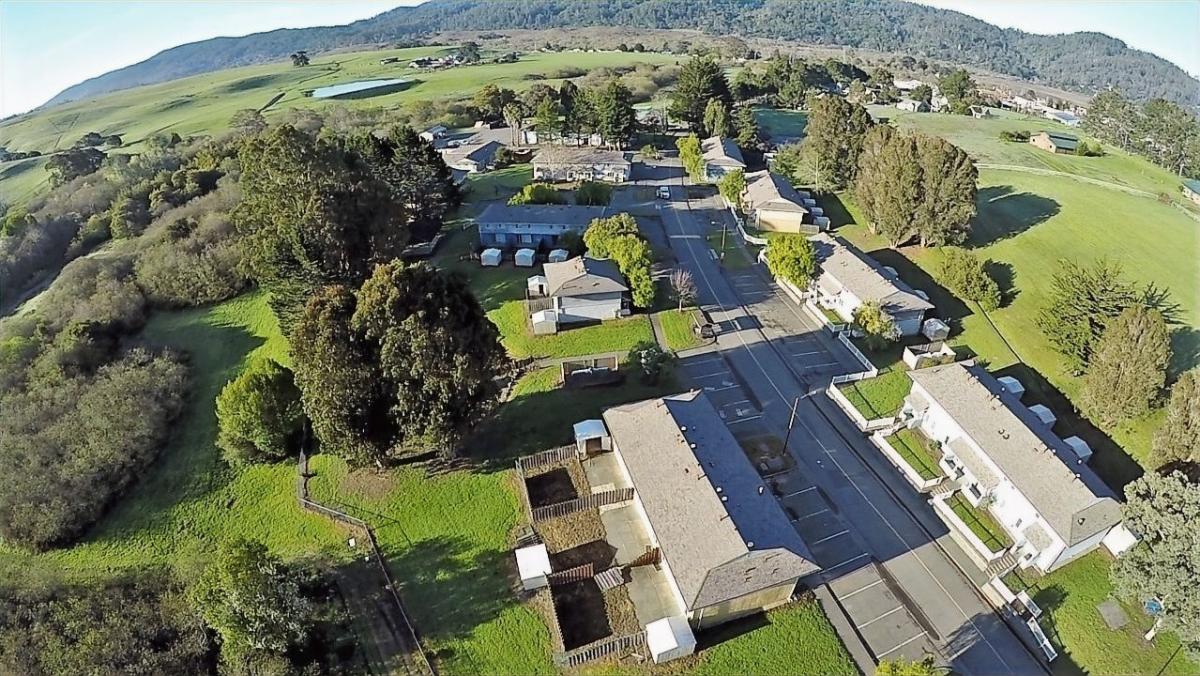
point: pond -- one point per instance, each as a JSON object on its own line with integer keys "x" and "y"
{"x": 360, "y": 88}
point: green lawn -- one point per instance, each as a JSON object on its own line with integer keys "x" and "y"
{"x": 677, "y": 328}
{"x": 502, "y": 183}
{"x": 735, "y": 257}
{"x": 831, "y": 316}
{"x": 878, "y": 397}
{"x": 980, "y": 522}
{"x": 614, "y": 335}
{"x": 777, "y": 123}
{"x": 918, "y": 452}
{"x": 22, "y": 179}
{"x": 190, "y": 500}
{"x": 1068, "y": 598}
{"x": 793, "y": 639}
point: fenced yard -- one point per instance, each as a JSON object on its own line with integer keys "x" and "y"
{"x": 982, "y": 524}
{"x": 878, "y": 397}
{"x": 917, "y": 452}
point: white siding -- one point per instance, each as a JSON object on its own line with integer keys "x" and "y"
{"x": 599, "y": 306}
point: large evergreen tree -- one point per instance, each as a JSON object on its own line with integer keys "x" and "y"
{"x": 948, "y": 185}
{"x": 716, "y": 119}
{"x": 258, "y": 414}
{"x": 701, "y": 80}
{"x": 888, "y": 188}
{"x": 1163, "y": 511}
{"x": 616, "y": 121}
{"x": 1128, "y": 368}
{"x": 834, "y": 138}
{"x": 1178, "y": 438}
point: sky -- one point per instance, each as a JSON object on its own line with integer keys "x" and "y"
{"x": 49, "y": 45}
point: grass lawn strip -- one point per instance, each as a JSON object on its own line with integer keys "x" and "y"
{"x": 1068, "y": 598}
{"x": 677, "y": 328}
{"x": 917, "y": 452}
{"x": 980, "y": 522}
{"x": 878, "y": 397}
{"x": 614, "y": 335}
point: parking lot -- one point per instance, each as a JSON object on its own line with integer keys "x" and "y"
{"x": 884, "y": 622}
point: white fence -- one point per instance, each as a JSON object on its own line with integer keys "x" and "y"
{"x": 914, "y": 478}
{"x": 862, "y": 358}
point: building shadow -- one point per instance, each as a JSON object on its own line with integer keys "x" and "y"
{"x": 949, "y": 308}
{"x": 1003, "y": 213}
{"x": 835, "y": 210}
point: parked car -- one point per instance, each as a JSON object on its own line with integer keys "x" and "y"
{"x": 664, "y": 193}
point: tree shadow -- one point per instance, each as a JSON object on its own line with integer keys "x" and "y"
{"x": 1111, "y": 462}
{"x": 948, "y": 307}
{"x": 1185, "y": 350}
{"x": 1005, "y": 277}
{"x": 835, "y": 210}
{"x": 1003, "y": 213}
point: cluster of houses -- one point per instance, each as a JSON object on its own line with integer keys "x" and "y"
{"x": 436, "y": 62}
{"x": 1071, "y": 117}
{"x": 725, "y": 547}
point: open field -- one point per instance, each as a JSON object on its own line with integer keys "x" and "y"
{"x": 1069, "y": 597}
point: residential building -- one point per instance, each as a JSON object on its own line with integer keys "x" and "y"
{"x": 850, "y": 278}
{"x": 582, "y": 289}
{"x": 913, "y": 106}
{"x": 472, "y": 158}
{"x": 1065, "y": 117}
{"x": 728, "y": 549}
{"x": 979, "y": 112}
{"x": 533, "y": 225}
{"x": 1006, "y": 464}
{"x": 771, "y": 203}
{"x": 906, "y": 85}
{"x": 1191, "y": 189}
{"x": 566, "y": 163}
{"x": 437, "y": 131}
{"x": 1055, "y": 142}
{"x": 721, "y": 156}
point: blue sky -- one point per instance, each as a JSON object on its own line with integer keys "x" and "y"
{"x": 48, "y": 45}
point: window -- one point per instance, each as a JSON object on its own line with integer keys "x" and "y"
{"x": 526, "y": 239}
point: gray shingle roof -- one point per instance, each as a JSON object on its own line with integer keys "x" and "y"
{"x": 722, "y": 151}
{"x": 554, "y": 154}
{"x": 863, "y": 277}
{"x": 542, "y": 214}
{"x": 1068, "y": 495}
{"x": 582, "y": 276}
{"x": 701, "y": 496}
{"x": 480, "y": 152}
{"x": 765, "y": 190}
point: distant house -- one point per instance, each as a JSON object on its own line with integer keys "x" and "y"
{"x": 1191, "y": 189}
{"x": 1055, "y": 142}
{"x": 906, "y": 85}
{"x": 564, "y": 163}
{"x": 771, "y": 203}
{"x": 1063, "y": 116}
{"x": 850, "y": 278}
{"x": 473, "y": 158}
{"x": 721, "y": 156}
{"x": 979, "y": 112}
{"x": 582, "y": 289}
{"x": 1050, "y": 507}
{"x": 533, "y": 225}
{"x": 913, "y": 106}
{"x": 437, "y": 131}
{"x": 727, "y": 547}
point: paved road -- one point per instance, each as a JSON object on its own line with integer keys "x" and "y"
{"x": 932, "y": 596}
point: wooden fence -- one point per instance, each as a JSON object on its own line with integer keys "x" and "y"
{"x": 579, "y": 504}
{"x": 547, "y": 457}
{"x": 576, "y": 574}
{"x": 652, "y": 556}
{"x": 614, "y": 645}
{"x": 309, "y": 504}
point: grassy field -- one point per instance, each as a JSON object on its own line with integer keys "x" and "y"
{"x": 614, "y": 335}
{"x": 1069, "y": 597}
{"x": 677, "y": 328}
{"x": 203, "y": 104}
{"x": 980, "y": 522}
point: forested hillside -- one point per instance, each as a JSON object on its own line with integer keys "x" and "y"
{"x": 1086, "y": 62}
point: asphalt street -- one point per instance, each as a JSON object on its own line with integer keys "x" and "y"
{"x": 894, "y": 578}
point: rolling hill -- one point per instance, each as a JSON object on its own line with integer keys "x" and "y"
{"x": 1085, "y": 62}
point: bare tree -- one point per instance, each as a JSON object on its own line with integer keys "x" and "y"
{"x": 683, "y": 286}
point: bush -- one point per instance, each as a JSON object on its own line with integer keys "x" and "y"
{"x": 259, "y": 414}
{"x": 538, "y": 193}
{"x": 651, "y": 152}
{"x": 966, "y": 276}
{"x": 649, "y": 361}
{"x": 793, "y": 259}
{"x": 1089, "y": 149}
{"x": 1014, "y": 136}
{"x": 877, "y": 327}
{"x": 593, "y": 193}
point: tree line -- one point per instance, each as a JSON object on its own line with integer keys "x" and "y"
{"x": 1158, "y": 130}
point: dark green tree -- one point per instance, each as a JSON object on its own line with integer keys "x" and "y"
{"x": 593, "y": 193}
{"x": 959, "y": 90}
{"x": 259, "y": 414}
{"x": 732, "y": 185}
{"x": 922, "y": 93}
{"x": 746, "y": 127}
{"x": 701, "y": 80}
{"x": 71, "y": 164}
{"x": 299, "y": 58}
{"x": 793, "y": 259}
{"x": 538, "y": 193}
{"x": 649, "y": 361}
{"x": 1163, "y": 511}
{"x": 601, "y": 232}
{"x": 1128, "y": 369}
{"x": 716, "y": 119}
{"x": 616, "y": 121}
{"x": 947, "y": 198}
{"x": 690, "y": 155}
{"x": 491, "y": 99}
{"x": 248, "y": 121}
{"x": 877, "y": 327}
{"x": 888, "y": 187}
{"x": 834, "y": 137}
{"x": 635, "y": 259}
{"x": 1178, "y": 438}
{"x": 965, "y": 275}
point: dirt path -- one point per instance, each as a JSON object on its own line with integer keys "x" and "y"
{"x": 375, "y": 613}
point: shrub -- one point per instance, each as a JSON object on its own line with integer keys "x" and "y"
{"x": 538, "y": 193}
{"x": 1089, "y": 149}
{"x": 593, "y": 193}
{"x": 649, "y": 361}
{"x": 1015, "y": 136}
{"x": 792, "y": 258}
{"x": 966, "y": 275}
{"x": 259, "y": 414}
{"x": 877, "y": 327}
{"x": 651, "y": 152}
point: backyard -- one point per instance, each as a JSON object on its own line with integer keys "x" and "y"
{"x": 981, "y": 523}
{"x": 678, "y": 328}
{"x": 878, "y": 397}
{"x": 918, "y": 452}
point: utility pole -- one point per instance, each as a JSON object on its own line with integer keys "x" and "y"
{"x": 791, "y": 423}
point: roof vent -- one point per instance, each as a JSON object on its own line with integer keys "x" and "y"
{"x": 724, "y": 498}
{"x": 750, "y": 545}
{"x": 693, "y": 446}
{"x": 761, "y": 489}
{"x": 683, "y": 428}
{"x": 720, "y": 490}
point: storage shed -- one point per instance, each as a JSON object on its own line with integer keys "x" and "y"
{"x": 524, "y": 258}
{"x": 592, "y": 436}
{"x": 490, "y": 258}
{"x": 559, "y": 255}
{"x": 536, "y": 285}
{"x": 670, "y": 638}
{"x": 533, "y": 565}
{"x": 935, "y": 329}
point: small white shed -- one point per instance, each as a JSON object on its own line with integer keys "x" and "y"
{"x": 537, "y": 285}
{"x": 592, "y": 436}
{"x": 544, "y": 322}
{"x": 1044, "y": 414}
{"x": 670, "y": 638}
{"x": 1080, "y": 448}
{"x": 935, "y": 329}
{"x": 1119, "y": 540}
{"x": 558, "y": 255}
{"x": 490, "y": 258}
{"x": 533, "y": 565}
{"x": 524, "y": 258}
{"x": 1012, "y": 386}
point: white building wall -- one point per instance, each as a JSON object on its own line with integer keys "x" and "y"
{"x": 1075, "y": 551}
{"x": 599, "y": 306}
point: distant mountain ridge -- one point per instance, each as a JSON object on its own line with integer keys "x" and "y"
{"x": 1086, "y": 62}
